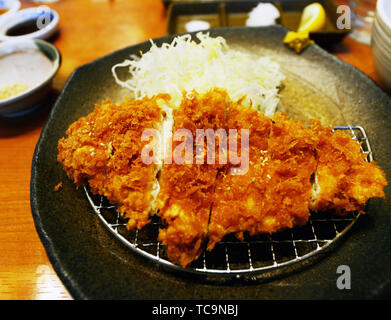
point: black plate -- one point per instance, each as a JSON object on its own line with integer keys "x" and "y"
{"x": 94, "y": 265}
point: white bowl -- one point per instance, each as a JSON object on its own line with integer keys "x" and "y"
{"x": 381, "y": 42}
{"x": 382, "y": 26}
{"x": 386, "y": 67}
{"x": 383, "y": 72}
{"x": 47, "y": 23}
{"x": 27, "y": 101}
{"x": 383, "y": 10}
{"x": 382, "y": 35}
{"x": 381, "y": 61}
{"x": 382, "y": 65}
{"x": 12, "y": 6}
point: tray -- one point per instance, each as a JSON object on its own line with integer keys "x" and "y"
{"x": 234, "y": 13}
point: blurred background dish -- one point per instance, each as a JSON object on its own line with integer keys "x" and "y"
{"x": 362, "y": 17}
{"x": 240, "y": 13}
{"x": 264, "y": 14}
{"x": 381, "y": 42}
{"x": 27, "y": 69}
{"x": 8, "y": 9}
{"x": 32, "y": 23}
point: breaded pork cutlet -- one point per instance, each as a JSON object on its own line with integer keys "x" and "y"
{"x": 104, "y": 149}
{"x": 344, "y": 181}
{"x": 293, "y": 169}
{"x": 186, "y": 190}
{"x": 301, "y": 169}
{"x": 275, "y": 192}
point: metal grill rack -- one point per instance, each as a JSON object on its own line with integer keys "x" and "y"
{"x": 250, "y": 257}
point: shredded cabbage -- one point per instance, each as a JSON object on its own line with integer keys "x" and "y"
{"x": 185, "y": 65}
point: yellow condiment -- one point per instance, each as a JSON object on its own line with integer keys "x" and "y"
{"x": 21, "y": 70}
{"x": 313, "y": 19}
{"x": 297, "y": 40}
{"x": 13, "y": 90}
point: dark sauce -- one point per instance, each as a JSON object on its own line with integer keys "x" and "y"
{"x": 23, "y": 28}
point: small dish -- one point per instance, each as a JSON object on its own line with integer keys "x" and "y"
{"x": 32, "y": 23}
{"x": 28, "y": 100}
{"x": 11, "y": 6}
{"x": 381, "y": 41}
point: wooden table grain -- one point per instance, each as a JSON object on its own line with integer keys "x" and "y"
{"x": 88, "y": 29}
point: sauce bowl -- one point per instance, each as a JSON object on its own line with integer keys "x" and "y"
{"x": 27, "y": 101}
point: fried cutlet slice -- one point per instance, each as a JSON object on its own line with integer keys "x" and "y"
{"x": 302, "y": 169}
{"x": 85, "y": 150}
{"x": 344, "y": 181}
{"x": 292, "y": 147}
{"x": 275, "y": 192}
{"x": 104, "y": 149}
{"x": 186, "y": 190}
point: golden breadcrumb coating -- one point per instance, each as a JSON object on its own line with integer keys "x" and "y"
{"x": 275, "y": 193}
{"x": 84, "y": 152}
{"x": 186, "y": 190}
{"x": 292, "y": 170}
{"x": 345, "y": 181}
{"x": 103, "y": 149}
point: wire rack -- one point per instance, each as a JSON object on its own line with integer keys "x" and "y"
{"x": 249, "y": 257}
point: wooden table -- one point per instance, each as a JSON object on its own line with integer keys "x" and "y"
{"x": 89, "y": 29}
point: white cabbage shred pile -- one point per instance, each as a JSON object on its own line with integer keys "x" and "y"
{"x": 187, "y": 65}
